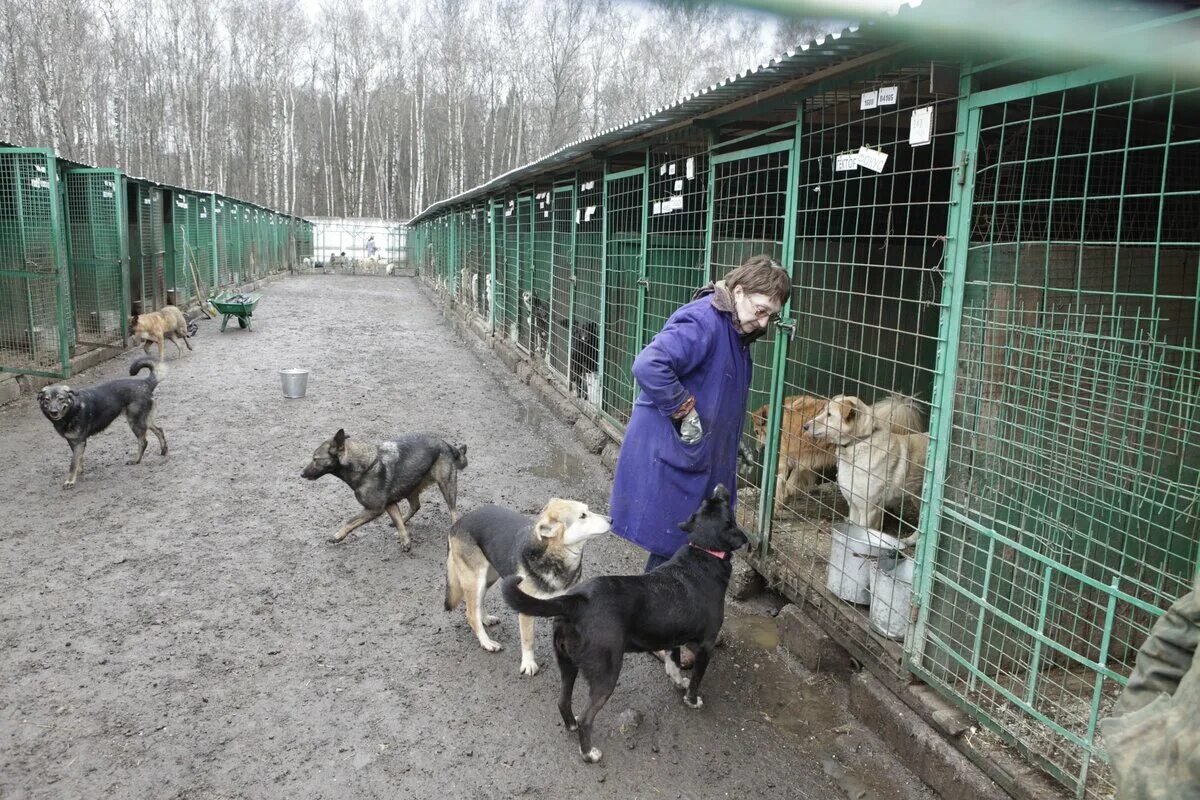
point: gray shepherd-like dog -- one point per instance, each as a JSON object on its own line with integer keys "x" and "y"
{"x": 384, "y": 474}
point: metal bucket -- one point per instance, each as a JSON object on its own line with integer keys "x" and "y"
{"x": 852, "y": 551}
{"x": 295, "y": 381}
{"x": 891, "y": 595}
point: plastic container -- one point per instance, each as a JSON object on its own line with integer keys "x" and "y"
{"x": 891, "y": 595}
{"x": 295, "y": 382}
{"x": 852, "y": 552}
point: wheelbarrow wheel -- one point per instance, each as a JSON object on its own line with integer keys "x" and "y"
{"x": 241, "y": 322}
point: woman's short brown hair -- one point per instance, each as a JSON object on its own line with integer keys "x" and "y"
{"x": 761, "y": 274}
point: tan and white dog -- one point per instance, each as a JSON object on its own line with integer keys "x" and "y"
{"x": 493, "y": 542}
{"x": 878, "y": 465}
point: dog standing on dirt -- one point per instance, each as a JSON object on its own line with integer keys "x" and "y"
{"x": 157, "y": 326}
{"x": 78, "y": 414}
{"x": 680, "y": 603}
{"x": 493, "y": 542}
{"x": 384, "y": 474}
{"x": 878, "y": 467}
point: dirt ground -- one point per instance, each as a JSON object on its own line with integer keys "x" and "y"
{"x": 184, "y": 628}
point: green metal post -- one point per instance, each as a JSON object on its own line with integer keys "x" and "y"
{"x": 643, "y": 281}
{"x": 784, "y": 333}
{"x": 64, "y": 283}
{"x": 491, "y": 221}
{"x": 600, "y": 352}
{"x": 941, "y": 417}
{"x": 212, "y": 227}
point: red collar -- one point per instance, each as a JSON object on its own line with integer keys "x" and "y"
{"x": 718, "y": 553}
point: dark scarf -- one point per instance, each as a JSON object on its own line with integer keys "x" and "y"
{"x": 722, "y": 300}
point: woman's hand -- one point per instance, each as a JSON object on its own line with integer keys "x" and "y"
{"x": 689, "y": 429}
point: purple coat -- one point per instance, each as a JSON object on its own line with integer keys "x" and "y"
{"x": 660, "y": 480}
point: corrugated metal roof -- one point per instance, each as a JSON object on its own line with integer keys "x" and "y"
{"x": 810, "y": 57}
{"x": 173, "y": 187}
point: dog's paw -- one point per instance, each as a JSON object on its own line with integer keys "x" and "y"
{"x": 529, "y": 667}
{"x": 678, "y": 678}
{"x": 698, "y": 704}
{"x": 130, "y": 462}
{"x": 406, "y": 546}
{"x": 491, "y": 619}
{"x": 69, "y": 484}
{"x": 592, "y": 756}
{"x": 490, "y": 646}
{"x": 573, "y": 726}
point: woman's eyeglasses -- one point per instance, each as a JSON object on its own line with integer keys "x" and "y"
{"x": 764, "y": 312}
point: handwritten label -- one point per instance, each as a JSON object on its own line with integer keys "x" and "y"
{"x": 868, "y": 101}
{"x": 888, "y": 95}
{"x": 920, "y": 126}
{"x": 846, "y": 162}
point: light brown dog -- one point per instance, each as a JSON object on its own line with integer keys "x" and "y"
{"x": 802, "y": 459}
{"x": 157, "y": 326}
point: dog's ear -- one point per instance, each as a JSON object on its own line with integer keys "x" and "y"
{"x": 687, "y": 525}
{"x": 339, "y": 442}
{"x": 462, "y": 449}
{"x": 549, "y": 523}
{"x": 760, "y": 415}
{"x": 548, "y": 527}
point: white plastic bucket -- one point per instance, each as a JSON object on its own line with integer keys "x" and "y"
{"x": 891, "y": 595}
{"x": 295, "y": 382}
{"x": 851, "y": 554}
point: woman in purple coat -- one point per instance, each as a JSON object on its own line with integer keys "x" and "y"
{"x": 682, "y": 439}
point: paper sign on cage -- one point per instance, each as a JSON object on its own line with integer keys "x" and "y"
{"x": 657, "y": 207}
{"x": 873, "y": 160}
{"x": 868, "y": 101}
{"x": 920, "y": 126}
{"x": 679, "y": 186}
{"x": 888, "y": 95}
{"x": 691, "y": 168}
{"x": 671, "y": 169}
{"x": 587, "y": 215}
{"x": 846, "y": 162}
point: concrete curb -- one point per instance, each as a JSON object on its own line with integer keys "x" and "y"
{"x": 924, "y": 750}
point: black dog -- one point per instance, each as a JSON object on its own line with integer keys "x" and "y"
{"x": 539, "y": 321}
{"x": 680, "y": 603}
{"x": 585, "y": 357}
{"x": 80, "y": 413}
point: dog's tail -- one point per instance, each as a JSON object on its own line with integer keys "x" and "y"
{"x": 460, "y": 455}
{"x": 899, "y": 414}
{"x": 158, "y": 370}
{"x": 565, "y": 605}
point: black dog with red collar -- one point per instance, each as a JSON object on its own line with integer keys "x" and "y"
{"x": 680, "y": 603}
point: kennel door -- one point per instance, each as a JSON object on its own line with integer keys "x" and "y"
{"x": 98, "y": 256}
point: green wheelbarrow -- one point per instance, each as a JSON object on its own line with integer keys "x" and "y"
{"x": 241, "y": 306}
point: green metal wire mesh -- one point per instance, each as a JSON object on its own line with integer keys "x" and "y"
{"x": 624, "y": 223}
{"x": 36, "y": 332}
{"x": 96, "y": 254}
{"x": 1070, "y": 506}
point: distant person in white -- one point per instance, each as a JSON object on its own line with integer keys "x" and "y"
{"x": 371, "y": 247}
